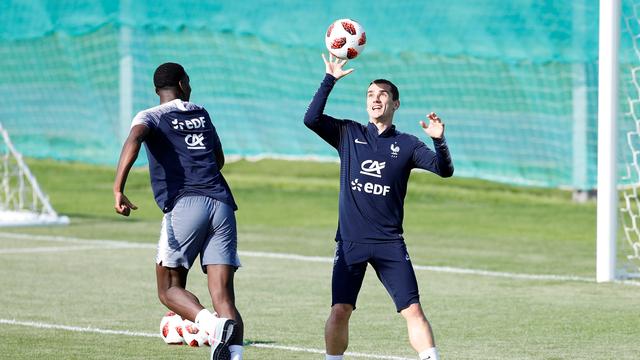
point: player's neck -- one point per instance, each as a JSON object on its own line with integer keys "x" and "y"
{"x": 167, "y": 96}
{"x": 166, "y": 99}
{"x": 381, "y": 123}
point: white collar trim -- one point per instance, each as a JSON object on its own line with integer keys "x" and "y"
{"x": 179, "y": 104}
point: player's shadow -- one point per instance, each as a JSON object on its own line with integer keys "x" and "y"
{"x": 257, "y": 342}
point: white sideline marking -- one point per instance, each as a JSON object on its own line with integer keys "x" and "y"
{"x": 114, "y": 243}
{"x": 144, "y": 334}
{"x": 269, "y": 255}
{"x": 509, "y": 275}
{"x": 51, "y": 249}
{"x": 75, "y": 328}
{"x": 322, "y": 259}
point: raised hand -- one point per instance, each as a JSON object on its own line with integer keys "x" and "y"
{"x": 435, "y": 129}
{"x": 334, "y": 66}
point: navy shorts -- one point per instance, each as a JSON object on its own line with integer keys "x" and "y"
{"x": 391, "y": 263}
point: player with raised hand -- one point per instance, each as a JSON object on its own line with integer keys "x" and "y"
{"x": 376, "y": 161}
{"x": 185, "y": 158}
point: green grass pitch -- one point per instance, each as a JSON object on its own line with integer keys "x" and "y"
{"x": 291, "y": 208}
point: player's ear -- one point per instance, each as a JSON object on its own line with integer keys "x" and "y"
{"x": 396, "y": 104}
{"x": 185, "y": 88}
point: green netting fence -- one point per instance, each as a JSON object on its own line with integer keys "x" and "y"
{"x": 515, "y": 81}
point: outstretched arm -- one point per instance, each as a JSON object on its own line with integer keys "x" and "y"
{"x": 325, "y": 126}
{"x": 128, "y": 156}
{"x": 438, "y": 162}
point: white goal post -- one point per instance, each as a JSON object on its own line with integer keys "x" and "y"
{"x": 618, "y": 234}
{"x": 609, "y": 39}
{"x": 22, "y": 202}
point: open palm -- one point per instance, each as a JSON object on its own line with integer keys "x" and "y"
{"x": 334, "y": 66}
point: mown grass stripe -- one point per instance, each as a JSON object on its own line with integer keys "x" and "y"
{"x": 89, "y": 329}
{"x": 323, "y": 259}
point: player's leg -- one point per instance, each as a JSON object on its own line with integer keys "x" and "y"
{"x": 420, "y": 333}
{"x": 220, "y": 261}
{"x": 349, "y": 267}
{"x": 172, "y": 293}
{"x": 394, "y": 269}
{"x": 220, "y": 280}
{"x": 336, "y": 330}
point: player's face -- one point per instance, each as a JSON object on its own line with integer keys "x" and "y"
{"x": 380, "y": 104}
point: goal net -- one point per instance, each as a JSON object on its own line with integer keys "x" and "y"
{"x": 22, "y": 202}
{"x": 628, "y": 245}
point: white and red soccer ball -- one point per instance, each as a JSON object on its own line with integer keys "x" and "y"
{"x": 177, "y": 331}
{"x": 171, "y": 329}
{"x": 192, "y": 335}
{"x": 345, "y": 39}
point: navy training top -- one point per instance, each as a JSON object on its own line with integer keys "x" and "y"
{"x": 374, "y": 170}
{"x": 181, "y": 148}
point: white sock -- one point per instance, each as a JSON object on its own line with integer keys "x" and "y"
{"x": 429, "y": 354}
{"x": 206, "y": 320}
{"x": 334, "y": 357}
{"x": 236, "y": 352}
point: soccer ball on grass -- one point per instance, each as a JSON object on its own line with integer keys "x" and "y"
{"x": 192, "y": 335}
{"x": 171, "y": 329}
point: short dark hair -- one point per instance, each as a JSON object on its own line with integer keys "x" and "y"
{"x": 395, "y": 94}
{"x": 168, "y": 75}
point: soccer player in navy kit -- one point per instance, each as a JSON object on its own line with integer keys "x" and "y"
{"x": 375, "y": 164}
{"x": 185, "y": 158}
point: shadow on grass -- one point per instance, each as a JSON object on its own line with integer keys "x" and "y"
{"x": 258, "y": 342}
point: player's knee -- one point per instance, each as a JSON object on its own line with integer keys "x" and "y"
{"x": 341, "y": 312}
{"x": 224, "y": 304}
{"x": 413, "y": 311}
{"x": 162, "y": 295}
{"x": 221, "y": 296}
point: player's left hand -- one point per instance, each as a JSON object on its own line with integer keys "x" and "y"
{"x": 435, "y": 129}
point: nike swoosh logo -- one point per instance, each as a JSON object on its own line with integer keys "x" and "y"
{"x": 360, "y": 142}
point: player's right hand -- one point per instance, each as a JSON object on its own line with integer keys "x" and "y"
{"x": 123, "y": 206}
{"x": 334, "y": 66}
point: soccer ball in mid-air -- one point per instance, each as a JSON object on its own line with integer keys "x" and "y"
{"x": 345, "y": 39}
{"x": 171, "y": 329}
{"x": 192, "y": 335}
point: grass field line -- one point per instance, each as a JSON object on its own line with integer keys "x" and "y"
{"x": 88, "y": 329}
{"x": 94, "y": 330}
{"x": 51, "y": 249}
{"x": 74, "y": 240}
{"x": 322, "y": 259}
